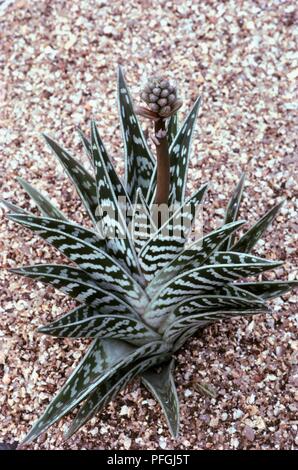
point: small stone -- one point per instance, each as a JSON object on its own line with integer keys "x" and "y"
{"x": 249, "y": 433}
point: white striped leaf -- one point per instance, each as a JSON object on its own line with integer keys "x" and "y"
{"x": 86, "y": 144}
{"x": 230, "y": 257}
{"x": 139, "y": 163}
{"x": 207, "y": 303}
{"x": 172, "y": 128}
{"x": 246, "y": 243}
{"x": 105, "y": 270}
{"x": 179, "y": 156}
{"x": 118, "y": 239}
{"x": 143, "y": 226}
{"x": 103, "y": 165}
{"x": 44, "y": 204}
{"x": 199, "y": 281}
{"x": 162, "y": 386}
{"x": 82, "y": 180}
{"x": 268, "y": 289}
{"x": 107, "y": 391}
{"x": 194, "y": 255}
{"x": 105, "y": 326}
{"x": 232, "y": 210}
{"x": 13, "y": 208}
{"x": 77, "y": 284}
{"x": 102, "y": 361}
{"x": 202, "y": 319}
{"x": 169, "y": 240}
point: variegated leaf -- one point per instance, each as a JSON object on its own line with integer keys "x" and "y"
{"x": 232, "y": 210}
{"x": 105, "y": 270}
{"x": 184, "y": 337}
{"x": 207, "y": 303}
{"x": 108, "y": 390}
{"x": 202, "y": 319}
{"x": 230, "y": 257}
{"x": 193, "y": 256}
{"x": 143, "y": 226}
{"x": 77, "y": 284}
{"x": 169, "y": 240}
{"x": 113, "y": 223}
{"x": 99, "y": 359}
{"x": 13, "y": 208}
{"x": 162, "y": 386}
{"x": 102, "y": 361}
{"x": 139, "y": 163}
{"x": 172, "y": 128}
{"x": 246, "y": 243}
{"x": 86, "y": 144}
{"x": 268, "y": 289}
{"x": 103, "y": 165}
{"x": 46, "y": 207}
{"x": 198, "y": 281}
{"x": 82, "y": 180}
{"x": 105, "y": 326}
{"x": 179, "y": 156}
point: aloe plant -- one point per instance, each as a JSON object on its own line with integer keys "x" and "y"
{"x": 140, "y": 298}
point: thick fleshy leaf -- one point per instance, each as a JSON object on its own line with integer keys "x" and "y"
{"x": 172, "y": 129}
{"x": 179, "y": 156}
{"x": 13, "y": 208}
{"x": 113, "y": 223}
{"x": 77, "y": 284}
{"x": 268, "y": 289}
{"x": 143, "y": 226}
{"x": 208, "y": 303}
{"x": 202, "y": 319}
{"x": 86, "y": 144}
{"x": 169, "y": 240}
{"x": 139, "y": 163}
{"x": 83, "y": 181}
{"x": 246, "y": 243}
{"x": 193, "y": 256}
{"x": 161, "y": 384}
{"x": 105, "y": 270}
{"x": 103, "y": 165}
{"x": 103, "y": 360}
{"x": 99, "y": 359}
{"x": 232, "y": 210}
{"x": 230, "y": 257}
{"x": 105, "y": 326}
{"x": 108, "y": 390}
{"x": 198, "y": 281}
{"x": 46, "y": 207}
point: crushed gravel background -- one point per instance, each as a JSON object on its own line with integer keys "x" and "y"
{"x": 58, "y": 61}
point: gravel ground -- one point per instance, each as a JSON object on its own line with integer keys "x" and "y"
{"x": 58, "y": 61}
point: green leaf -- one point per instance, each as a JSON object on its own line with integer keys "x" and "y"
{"x": 250, "y": 238}
{"x": 139, "y": 163}
{"x": 102, "y": 361}
{"x": 82, "y": 180}
{"x": 105, "y": 270}
{"x": 232, "y": 210}
{"x": 46, "y": 207}
{"x": 199, "y": 281}
{"x": 86, "y": 144}
{"x": 179, "y": 156}
{"x": 105, "y": 326}
{"x": 193, "y": 256}
{"x": 161, "y": 385}
{"x": 119, "y": 243}
{"x": 169, "y": 240}
{"x": 77, "y": 284}
{"x": 108, "y": 390}
{"x": 268, "y": 289}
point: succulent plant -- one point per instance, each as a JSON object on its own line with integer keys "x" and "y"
{"x": 140, "y": 297}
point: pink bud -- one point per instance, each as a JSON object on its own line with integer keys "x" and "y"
{"x": 153, "y": 98}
